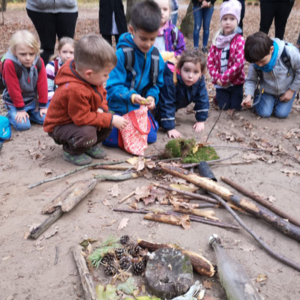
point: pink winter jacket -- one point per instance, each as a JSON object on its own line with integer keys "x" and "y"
{"x": 235, "y": 69}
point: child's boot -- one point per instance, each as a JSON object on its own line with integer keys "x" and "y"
{"x": 79, "y": 160}
{"x": 96, "y": 152}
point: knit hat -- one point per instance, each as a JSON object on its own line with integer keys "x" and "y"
{"x": 231, "y": 7}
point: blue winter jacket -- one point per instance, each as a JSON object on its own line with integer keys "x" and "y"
{"x": 174, "y": 97}
{"x": 118, "y": 84}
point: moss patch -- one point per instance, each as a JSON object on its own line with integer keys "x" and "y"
{"x": 190, "y": 151}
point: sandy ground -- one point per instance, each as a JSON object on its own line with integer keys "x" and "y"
{"x": 27, "y": 267}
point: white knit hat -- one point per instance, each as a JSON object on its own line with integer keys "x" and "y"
{"x": 231, "y": 7}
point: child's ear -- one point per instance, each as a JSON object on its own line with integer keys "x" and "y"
{"x": 271, "y": 49}
{"x": 88, "y": 73}
{"x": 130, "y": 29}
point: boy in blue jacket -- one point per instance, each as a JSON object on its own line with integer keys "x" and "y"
{"x": 138, "y": 75}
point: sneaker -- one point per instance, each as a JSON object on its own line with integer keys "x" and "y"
{"x": 96, "y": 152}
{"x": 204, "y": 50}
{"x": 79, "y": 160}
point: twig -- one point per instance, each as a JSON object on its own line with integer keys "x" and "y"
{"x": 240, "y": 147}
{"x": 56, "y": 255}
{"x": 127, "y": 197}
{"x": 215, "y": 123}
{"x": 167, "y": 159}
{"x": 209, "y": 162}
{"x": 255, "y": 236}
{"x": 260, "y": 200}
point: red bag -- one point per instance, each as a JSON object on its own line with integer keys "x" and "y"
{"x": 134, "y": 136}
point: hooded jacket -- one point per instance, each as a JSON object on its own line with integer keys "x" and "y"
{"x": 76, "y": 101}
{"x": 31, "y": 86}
{"x": 174, "y": 97}
{"x": 118, "y": 84}
{"x": 278, "y": 81}
{"x": 52, "y": 6}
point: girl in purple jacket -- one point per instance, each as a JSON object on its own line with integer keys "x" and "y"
{"x": 169, "y": 41}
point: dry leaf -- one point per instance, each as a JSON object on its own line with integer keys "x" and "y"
{"x": 251, "y": 157}
{"x": 115, "y": 191}
{"x": 123, "y": 223}
{"x": 142, "y": 192}
{"x": 106, "y": 203}
{"x": 297, "y": 147}
{"x": 290, "y": 173}
{"x": 261, "y": 277}
{"x": 207, "y": 284}
{"x": 51, "y": 232}
{"x": 184, "y": 187}
{"x": 48, "y": 172}
{"x": 271, "y": 199}
{"x": 185, "y": 221}
{"x": 150, "y": 164}
{"x": 138, "y": 162}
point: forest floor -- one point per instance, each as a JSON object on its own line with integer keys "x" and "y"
{"x": 27, "y": 267}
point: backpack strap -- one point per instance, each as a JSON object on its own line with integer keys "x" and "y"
{"x": 286, "y": 59}
{"x": 175, "y": 37}
{"x": 129, "y": 64}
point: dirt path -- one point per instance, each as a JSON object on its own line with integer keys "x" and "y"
{"x": 27, "y": 267}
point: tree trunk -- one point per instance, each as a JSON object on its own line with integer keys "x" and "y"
{"x": 187, "y": 24}
{"x": 130, "y": 3}
{"x": 3, "y": 5}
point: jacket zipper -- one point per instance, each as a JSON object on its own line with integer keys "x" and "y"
{"x": 142, "y": 73}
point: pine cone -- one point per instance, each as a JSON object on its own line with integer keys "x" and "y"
{"x": 125, "y": 262}
{"x": 138, "y": 266}
{"x": 134, "y": 250}
{"x": 124, "y": 240}
{"x": 119, "y": 252}
{"x": 110, "y": 270}
{"x": 108, "y": 259}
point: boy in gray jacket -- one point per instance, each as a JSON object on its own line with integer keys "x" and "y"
{"x": 275, "y": 66}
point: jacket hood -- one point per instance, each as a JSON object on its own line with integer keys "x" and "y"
{"x": 280, "y": 44}
{"x": 10, "y": 56}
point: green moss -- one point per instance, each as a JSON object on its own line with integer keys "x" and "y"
{"x": 203, "y": 154}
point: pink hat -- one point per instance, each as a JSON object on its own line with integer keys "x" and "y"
{"x": 231, "y": 7}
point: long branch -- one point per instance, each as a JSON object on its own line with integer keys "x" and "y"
{"x": 255, "y": 236}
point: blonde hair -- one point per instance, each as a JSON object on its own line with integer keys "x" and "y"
{"x": 63, "y": 41}
{"x": 24, "y": 37}
{"x": 93, "y": 52}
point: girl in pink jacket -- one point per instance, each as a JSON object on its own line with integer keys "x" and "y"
{"x": 226, "y": 58}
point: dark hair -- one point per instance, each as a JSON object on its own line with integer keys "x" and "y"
{"x": 257, "y": 46}
{"x": 146, "y": 15}
{"x": 93, "y": 52}
{"x": 194, "y": 56}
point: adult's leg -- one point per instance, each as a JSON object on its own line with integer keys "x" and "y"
{"x": 242, "y": 13}
{"x": 207, "y": 15}
{"x": 65, "y": 24}
{"x": 76, "y": 140}
{"x": 44, "y": 24}
{"x": 174, "y": 16}
{"x": 12, "y": 113}
{"x": 107, "y": 38}
{"x": 267, "y": 13}
{"x": 236, "y": 97}
{"x": 281, "y": 16}
{"x": 265, "y": 106}
{"x": 197, "y": 25}
{"x": 283, "y": 109}
{"x": 223, "y": 98}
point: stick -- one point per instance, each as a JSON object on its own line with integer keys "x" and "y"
{"x": 169, "y": 219}
{"x": 254, "y": 235}
{"x": 127, "y": 197}
{"x": 210, "y": 162}
{"x": 56, "y": 255}
{"x": 215, "y": 123}
{"x": 260, "y": 200}
{"x": 111, "y": 167}
{"x": 85, "y": 276}
{"x": 208, "y": 214}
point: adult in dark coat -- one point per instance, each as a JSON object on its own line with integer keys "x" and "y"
{"x": 278, "y": 10}
{"x": 112, "y": 19}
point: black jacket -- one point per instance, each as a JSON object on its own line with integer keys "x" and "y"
{"x": 106, "y": 9}
{"x": 196, "y": 3}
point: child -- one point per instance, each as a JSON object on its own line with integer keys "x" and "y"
{"x": 169, "y": 41}
{"x": 24, "y": 74}
{"x": 226, "y": 59}
{"x": 190, "y": 88}
{"x": 78, "y": 116}
{"x": 138, "y": 75}
{"x": 275, "y": 66}
{"x": 65, "y": 52}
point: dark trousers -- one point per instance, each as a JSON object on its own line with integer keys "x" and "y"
{"x": 48, "y": 25}
{"x": 279, "y": 11}
{"x": 230, "y": 98}
{"x": 242, "y": 13}
{"x": 109, "y": 37}
{"x": 78, "y": 139}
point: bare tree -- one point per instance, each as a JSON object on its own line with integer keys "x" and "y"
{"x": 187, "y": 24}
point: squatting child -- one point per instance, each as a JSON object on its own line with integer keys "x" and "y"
{"x": 275, "y": 66}
{"x": 138, "y": 75}
{"x": 187, "y": 86}
{"x": 169, "y": 41}
{"x": 226, "y": 58}
{"x": 78, "y": 116}
{"x": 24, "y": 75}
{"x": 65, "y": 52}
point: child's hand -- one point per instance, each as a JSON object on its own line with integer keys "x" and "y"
{"x": 150, "y": 102}
{"x": 287, "y": 96}
{"x": 199, "y": 126}
{"x": 219, "y": 82}
{"x": 21, "y": 116}
{"x": 119, "y": 122}
{"x": 173, "y": 133}
{"x": 100, "y": 110}
{"x": 247, "y": 102}
{"x": 43, "y": 111}
{"x": 138, "y": 99}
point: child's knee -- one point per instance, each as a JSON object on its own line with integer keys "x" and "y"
{"x": 281, "y": 114}
{"x": 264, "y": 113}
{"x": 89, "y": 137}
{"x": 22, "y": 126}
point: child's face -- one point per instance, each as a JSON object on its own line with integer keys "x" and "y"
{"x": 190, "y": 73}
{"x": 229, "y": 24}
{"x": 264, "y": 61}
{"x": 165, "y": 10}
{"x": 66, "y": 52}
{"x": 143, "y": 39}
{"x": 98, "y": 78}
{"x": 25, "y": 55}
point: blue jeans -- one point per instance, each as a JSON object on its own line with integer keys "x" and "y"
{"x": 204, "y": 14}
{"x": 174, "y": 18}
{"x": 34, "y": 116}
{"x": 269, "y": 103}
{"x": 230, "y": 98}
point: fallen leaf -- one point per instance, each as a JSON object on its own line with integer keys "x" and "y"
{"x": 261, "y": 277}
{"x": 150, "y": 164}
{"x": 185, "y": 187}
{"x": 290, "y": 173}
{"x": 51, "y": 232}
{"x": 138, "y": 162}
{"x": 271, "y": 199}
{"x": 142, "y": 192}
{"x": 297, "y": 147}
{"x": 48, "y": 172}
{"x": 207, "y": 284}
{"x": 107, "y": 292}
{"x": 115, "y": 191}
{"x": 251, "y": 157}
{"x": 123, "y": 223}
{"x": 106, "y": 203}
{"x": 185, "y": 221}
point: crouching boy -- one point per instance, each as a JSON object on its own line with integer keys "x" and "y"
{"x": 78, "y": 116}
